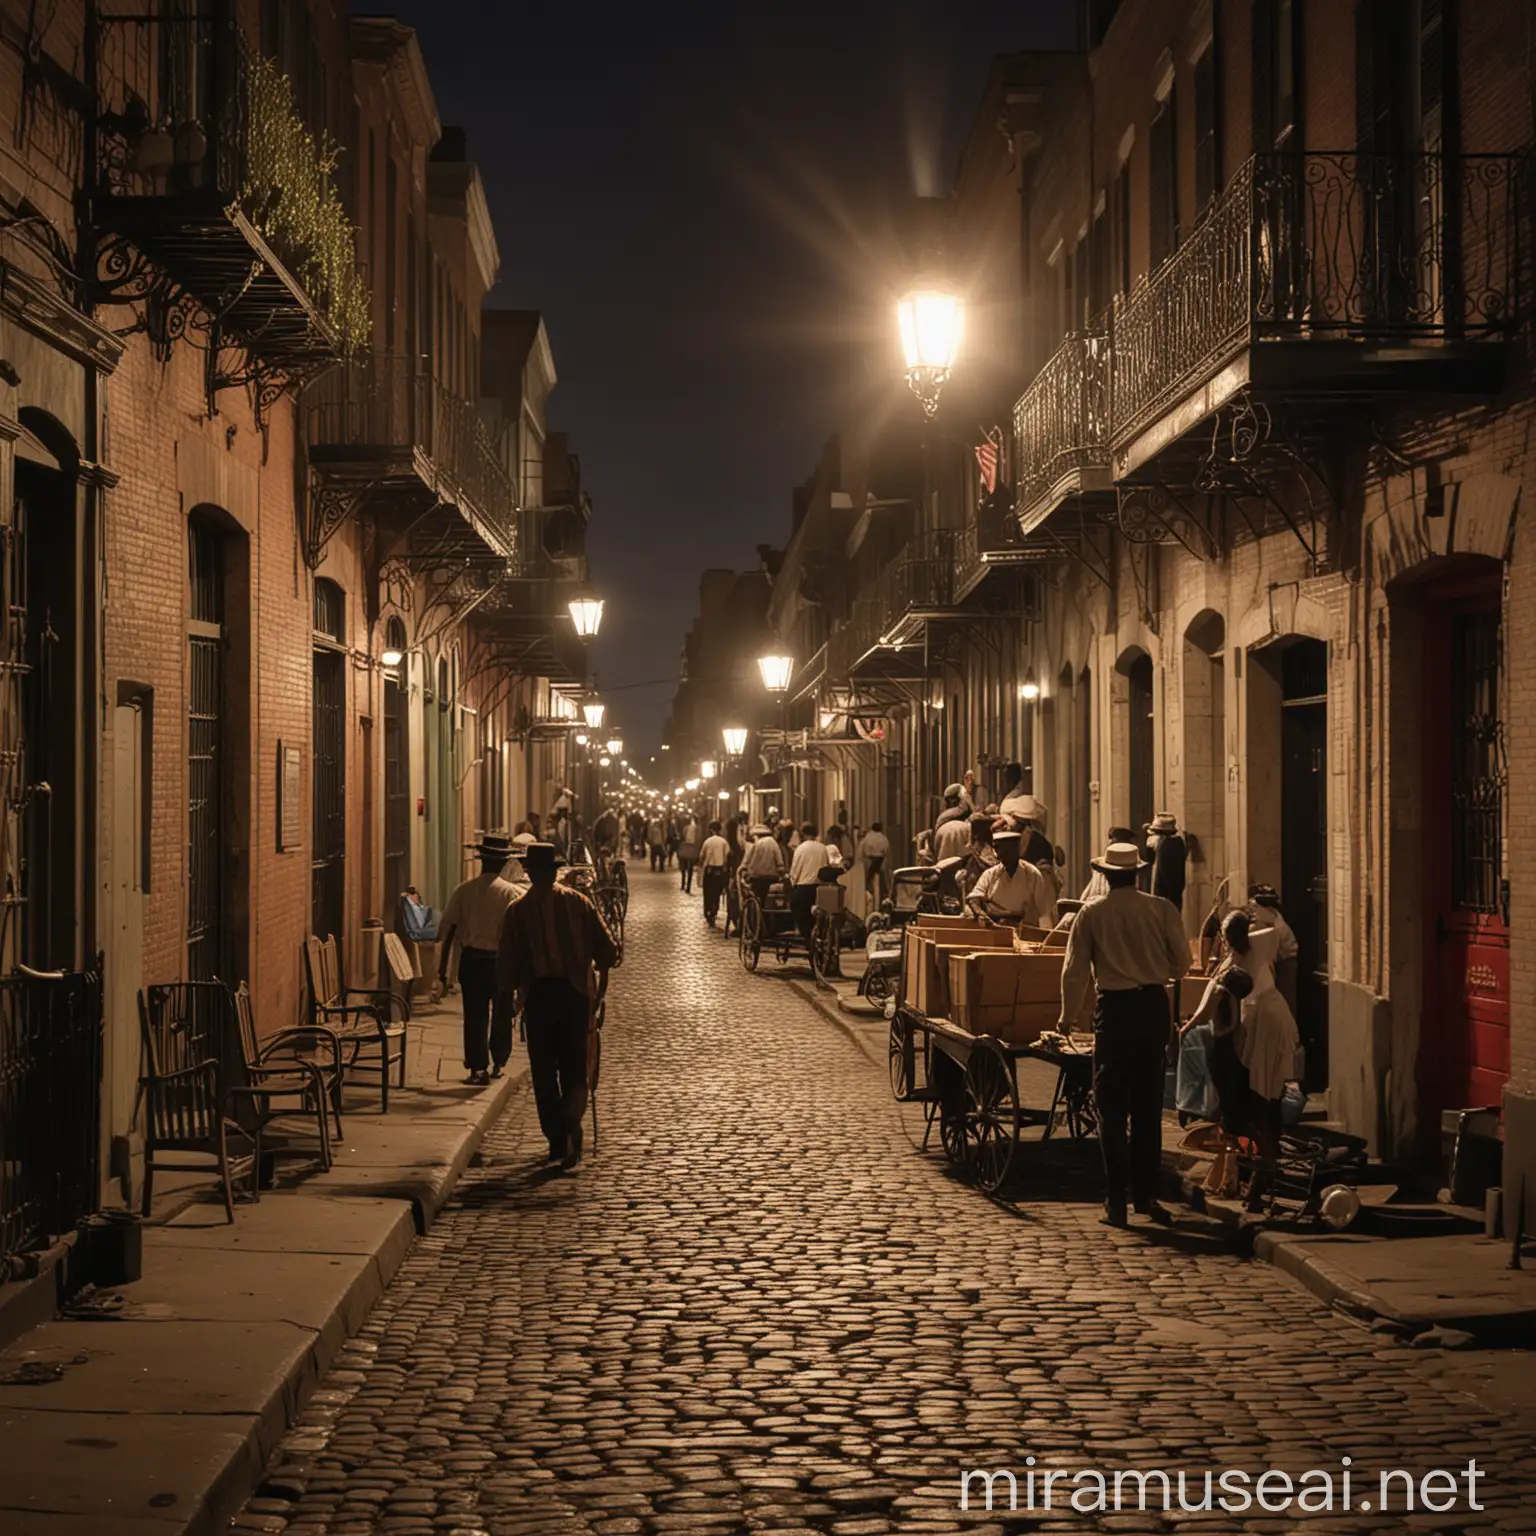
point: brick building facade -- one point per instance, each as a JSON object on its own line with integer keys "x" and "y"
{"x": 287, "y": 626}
{"x": 1247, "y": 294}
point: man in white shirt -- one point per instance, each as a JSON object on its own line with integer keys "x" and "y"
{"x": 812, "y": 855}
{"x": 952, "y": 836}
{"x": 712, "y": 858}
{"x": 1011, "y": 891}
{"x": 1133, "y": 945}
{"x": 473, "y": 917}
{"x": 763, "y": 862}
{"x": 875, "y": 848}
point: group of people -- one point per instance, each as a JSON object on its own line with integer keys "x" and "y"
{"x": 530, "y": 947}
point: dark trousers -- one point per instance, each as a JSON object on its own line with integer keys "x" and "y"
{"x": 714, "y": 889}
{"x": 483, "y": 1006}
{"x": 555, "y": 1020}
{"x": 686, "y": 866}
{"x": 874, "y": 876}
{"x": 761, "y": 885}
{"x": 658, "y": 856}
{"x": 1130, "y": 1036}
{"x": 802, "y": 902}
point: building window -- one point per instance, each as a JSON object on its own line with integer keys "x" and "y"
{"x": 1207, "y": 130}
{"x": 206, "y": 768}
{"x": 1163, "y": 151}
{"x": 1122, "y": 227}
{"x": 1276, "y": 74}
{"x": 329, "y": 762}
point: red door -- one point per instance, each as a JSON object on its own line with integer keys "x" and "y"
{"x": 1466, "y": 1047}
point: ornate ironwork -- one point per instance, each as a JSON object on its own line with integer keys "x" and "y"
{"x": 1344, "y": 246}
{"x": 1061, "y": 422}
{"x": 330, "y": 503}
{"x": 1157, "y": 514}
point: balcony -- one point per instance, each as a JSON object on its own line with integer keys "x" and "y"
{"x": 524, "y": 629}
{"x": 214, "y": 204}
{"x": 1061, "y": 430}
{"x": 1324, "y": 278}
{"x": 385, "y": 431}
{"x": 886, "y": 627}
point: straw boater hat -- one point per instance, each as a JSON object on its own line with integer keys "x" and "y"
{"x": 1164, "y": 821}
{"x": 1006, "y": 835}
{"x": 494, "y": 846}
{"x": 1119, "y": 857}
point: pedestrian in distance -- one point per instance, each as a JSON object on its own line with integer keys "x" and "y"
{"x": 733, "y": 830}
{"x": 688, "y": 854}
{"x": 656, "y": 837}
{"x": 1168, "y": 851}
{"x": 553, "y": 963}
{"x": 874, "y": 849}
{"x": 473, "y": 919}
{"x": 1131, "y": 944}
{"x": 714, "y": 856}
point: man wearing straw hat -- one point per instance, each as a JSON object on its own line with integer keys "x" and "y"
{"x": 473, "y": 916}
{"x": 1133, "y": 945}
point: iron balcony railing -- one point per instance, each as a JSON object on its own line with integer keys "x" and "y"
{"x": 391, "y": 403}
{"x": 206, "y": 161}
{"x": 1382, "y": 248}
{"x": 921, "y": 579}
{"x": 1061, "y": 422}
{"x": 50, "y": 1105}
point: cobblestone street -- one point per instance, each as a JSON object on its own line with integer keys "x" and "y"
{"x": 756, "y": 1308}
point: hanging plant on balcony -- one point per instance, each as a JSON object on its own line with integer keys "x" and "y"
{"x": 288, "y": 193}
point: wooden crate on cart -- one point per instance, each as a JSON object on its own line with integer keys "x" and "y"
{"x": 1005, "y": 994}
{"x": 925, "y": 967}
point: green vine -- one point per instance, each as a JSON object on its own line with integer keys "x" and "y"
{"x": 289, "y": 195}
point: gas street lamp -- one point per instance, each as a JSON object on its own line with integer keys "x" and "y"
{"x": 615, "y": 745}
{"x": 690, "y": 785}
{"x": 1029, "y": 689}
{"x": 708, "y": 768}
{"x": 592, "y": 712}
{"x": 776, "y": 672}
{"x": 735, "y": 738}
{"x": 586, "y": 615}
{"x": 931, "y": 321}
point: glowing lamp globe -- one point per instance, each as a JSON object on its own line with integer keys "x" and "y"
{"x": 586, "y": 615}
{"x": 581, "y": 738}
{"x": 392, "y": 658}
{"x": 776, "y": 672}
{"x": 931, "y": 322}
{"x": 615, "y": 746}
{"x": 735, "y": 738}
{"x": 593, "y": 714}
{"x": 1029, "y": 689}
{"x": 708, "y": 768}
{"x": 691, "y": 785}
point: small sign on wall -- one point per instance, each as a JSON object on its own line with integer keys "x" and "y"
{"x": 290, "y": 799}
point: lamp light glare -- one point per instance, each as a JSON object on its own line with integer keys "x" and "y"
{"x": 735, "y": 738}
{"x": 392, "y": 657}
{"x": 593, "y": 714}
{"x": 586, "y": 615}
{"x": 776, "y": 672}
{"x": 708, "y": 768}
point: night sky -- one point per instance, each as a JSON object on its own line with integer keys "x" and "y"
{"x": 700, "y": 199}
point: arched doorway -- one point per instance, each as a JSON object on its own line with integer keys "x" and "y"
{"x": 1135, "y": 666}
{"x": 1287, "y": 757}
{"x": 397, "y": 764}
{"x": 328, "y": 755}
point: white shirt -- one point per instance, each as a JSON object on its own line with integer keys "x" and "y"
{"x": 875, "y": 845}
{"x": 1024, "y": 896}
{"x": 715, "y": 851}
{"x": 762, "y": 858}
{"x": 810, "y": 858}
{"x": 1285, "y": 935}
{"x": 476, "y": 908}
{"x": 952, "y": 840}
{"x": 1127, "y": 939}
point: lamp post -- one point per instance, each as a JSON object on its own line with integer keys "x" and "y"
{"x": 586, "y": 615}
{"x": 735, "y": 739}
{"x": 592, "y": 712}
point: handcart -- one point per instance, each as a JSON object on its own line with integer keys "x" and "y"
{"x": 969, "y": 1086}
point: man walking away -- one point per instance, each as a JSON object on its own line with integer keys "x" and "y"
{"x": 1167, "y": 850}
{"x": 473, "y": 917}
{"x": 554, "y": 959}
{"x": 713, "y": 857}
{"x": 1133, "y": 944}
{"x": 811, "y": 854}
{"x": 874, "y": 850}
{"x": 688, "y": 854}
{"x": 656, "y": 836}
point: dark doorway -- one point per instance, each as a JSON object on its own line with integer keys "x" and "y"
{"x": 397, "y": 777}
{"x": 1467, "y": 978}
{"x": 328, "y": 892}
{"x": 1304, "y": 838}
{"x": 207, "y": 924}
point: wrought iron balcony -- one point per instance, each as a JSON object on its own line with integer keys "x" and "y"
{"x": 214, "y": 203}
{"x": 523, "y": 629}
{"x": 385, "y": 425}
{"x": 919, "y": 584}
{"x": 1061, "y": 429}
{"x": 987, "y": 543}
{"x": 1330, "y": 275}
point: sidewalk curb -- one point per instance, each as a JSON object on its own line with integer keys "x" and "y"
{"x": 811, "y": 995}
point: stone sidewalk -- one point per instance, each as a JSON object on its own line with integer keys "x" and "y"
{"x": 1461, "y": 1282}
{"x": 158, "y": 1417}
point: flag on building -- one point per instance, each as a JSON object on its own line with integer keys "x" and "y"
{"x": 989, "y": 455}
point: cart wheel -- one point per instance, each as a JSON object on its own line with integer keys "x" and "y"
{"x": 900, "y": 1053}
{"x": 877, "y": 987}
{"x": 750, "y": 947}
{"x": 991, "y": 1115}
{"x": 824, "y": 948}
{"x": 957, "y": 1147}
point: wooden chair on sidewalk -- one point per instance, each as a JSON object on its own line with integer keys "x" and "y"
{"x": 294, "y": 1074}
{"x": 182, "y": 1090}
{"x": 362, "y": 1019}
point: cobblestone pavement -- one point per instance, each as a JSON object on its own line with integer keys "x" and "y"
{"x": 758, "y": 1309}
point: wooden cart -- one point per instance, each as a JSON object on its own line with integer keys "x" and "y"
{"x": 969, "y": 1086}
{"x": 769, "y": 924}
